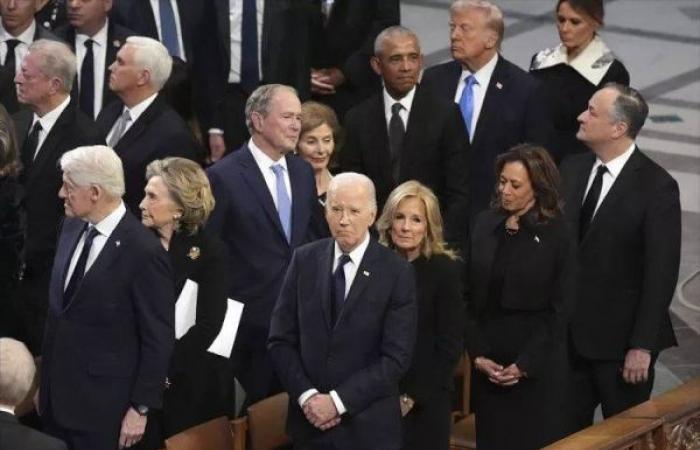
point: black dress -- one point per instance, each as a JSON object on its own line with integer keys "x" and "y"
{"x": 519, "y": 288}
{"x": 11, "y": 239}
{"x": 570, "y": 86}
{"x": 429, "y": 380}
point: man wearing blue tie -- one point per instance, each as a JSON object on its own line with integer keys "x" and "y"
{"x": 265, "y": 196}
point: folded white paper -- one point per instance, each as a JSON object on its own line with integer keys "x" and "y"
{"x": 186, "y": 309}
{"x": 223, "y": 344}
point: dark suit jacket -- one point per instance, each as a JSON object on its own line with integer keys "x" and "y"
{"x": 435, "y": 152}
{"x": 159, "y": 132}
{"x": 628, "y": 259}
{"x": 513, "y": 113}
{"x": 14, "y": 435}
{"x": 362, "y": 357}
{"x": 111, "y": 344}
{"x": 116, "y": 37}
{"x": 247, "y": 221}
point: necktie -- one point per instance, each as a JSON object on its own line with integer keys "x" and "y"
{"x": 10, "y": 55}
{"x": 397, "y": 131}
{"x": 119, "y": 128}
{"x": 249, "y": 47}
{"x": 30, "y": 146}
{"x": 339, "y": 286}
{"x": 79, "y": 270}
{"x": 87, "y": 81}
{"x": 591, "y": 201}
{"x": 168, "y": 28}
{"x": 466, "y": 102}
{"x": 284, "y": 204}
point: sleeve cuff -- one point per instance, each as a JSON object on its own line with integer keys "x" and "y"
{"x": 338, "y": 403}
{"x": 306, "y": 395}
{"x": 215, "y": 131}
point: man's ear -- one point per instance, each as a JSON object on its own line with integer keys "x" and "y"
{"x": 376, "y": 65}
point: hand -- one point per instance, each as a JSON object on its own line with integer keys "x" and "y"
{"x": 320, "y": 410}
{"x": 320, "y": 83}
{"x": 489, "y": 368}
{"x": 511, "y": 375}
{"x": 217, "y": 147}
{"x": 406, "y": 404}
{"x": 636, "y": 368}
{"x": 133, "y": 426}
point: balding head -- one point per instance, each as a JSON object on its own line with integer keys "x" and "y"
{"x": 17, "y": 371}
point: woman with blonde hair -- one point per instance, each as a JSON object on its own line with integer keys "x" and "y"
{"x": 411, "y": 224}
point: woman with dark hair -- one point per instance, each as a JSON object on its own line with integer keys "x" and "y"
{"x": 573, "y": 70}
{"x": 519, "y": 261}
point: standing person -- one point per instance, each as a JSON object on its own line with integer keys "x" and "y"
{"x": 501, "y": 104}
{"x": 109, "y": 333}
{"x": 411, "y": 224}
{"x": 520, "y": 280}
{"x": 176, "y": 205}
{"x": 265, "y": 198}
{"x": 625, "y": 211}
{"x": 573, "y": 70}
{"x": 343, "y": 330}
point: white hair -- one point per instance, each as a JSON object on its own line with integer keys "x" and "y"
{"x": 17, "y": 371}
{"x": 151, "y": 55}
{"x": 353, "y": 179}
{"x": 55, "y": 59}
{"x": 96, "y": 165}
{"x": 392, "y": 32}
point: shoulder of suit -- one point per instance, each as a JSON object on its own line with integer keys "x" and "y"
{"x": 443, "y": 69}
{"x": 656, "y": 171}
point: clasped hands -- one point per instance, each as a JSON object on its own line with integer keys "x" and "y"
{"x": 320, "y": 411}
{"x": 496, "y": 373}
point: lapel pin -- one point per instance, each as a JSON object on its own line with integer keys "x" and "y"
{"x": 499, "y": 85}
{"x": 116, "y": 43}
{"x": 365, "y": 273}
{"x": 194, "y": 253}
{"x": 117, "y": 243}
{"x": 537, "y": 239}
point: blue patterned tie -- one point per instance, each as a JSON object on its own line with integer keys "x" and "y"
{"x": 284, "y": 204}
{"x": 168, "y": 28}
{"x": 466, "y": 102}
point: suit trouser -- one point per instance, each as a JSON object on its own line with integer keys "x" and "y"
{"x": 106, "y": 438}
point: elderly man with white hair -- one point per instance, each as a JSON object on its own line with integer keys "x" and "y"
{"x": 17, "y": 371}
{"x": 142, "y": 127}
{"x": 109, "y": 333}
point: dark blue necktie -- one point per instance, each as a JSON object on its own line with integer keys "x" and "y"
{"x": 79, "y": 270}
{"x": 10, "y": 55}
{"x": 250, "y": 77}
{"x": 87, "y": 81}
{"x": 168, "y": 28}
{"x": 339, "y": 286}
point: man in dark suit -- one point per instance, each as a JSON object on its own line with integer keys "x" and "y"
{"x": 500, "y": 103}
{"x": 96, "y": 41}
{"x": 406, "y": 133}
{"x": 625, "y": 211}
{"x": 110, "y": 332}
{"x": 50, "y": 126}
{"x": 343, "y": 41}
{"x": 16, "y": 378}
{"x": 265, "y": 197}
{"x": 343, "y": 329}
{"x": 142, "y": 127}
{"x": 18, "y": 30}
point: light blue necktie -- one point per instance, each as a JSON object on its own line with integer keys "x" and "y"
{"x": 284, "y": 204}
{"x": 466, "y": 102}
{"x": 168, "y": 28}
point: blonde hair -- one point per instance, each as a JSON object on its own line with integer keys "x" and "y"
{"x": 434, "y": 243}
{"x": 189, "y": 188}
{"x": 491, "y": 12}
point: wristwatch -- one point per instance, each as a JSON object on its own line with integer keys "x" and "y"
{"x": 142, "y": 410}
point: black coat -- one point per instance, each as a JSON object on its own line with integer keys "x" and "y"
{"x": 14, "y": 435}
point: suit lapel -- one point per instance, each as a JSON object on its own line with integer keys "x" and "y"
{"x": 298, "y": 195}
{"x": 380, "y": 152}
{"x": 362, "y": 279}
{"x": 413, "y": 138}
{"x": 325, "y": 268}
{"x": 495, "y": 101}
{"x": 48, "y": 147}
{"x": 487, "y": 250}
{"x": 139, "y": 126}
{"x": 64, "y": 253}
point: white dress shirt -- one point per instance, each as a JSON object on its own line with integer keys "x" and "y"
{"x": 483, "y": 78}
{"x": 99, "y": 57}
{"x": 614, "y": 167}
{"x": 47, "y": 122}
{"x": 25, "y": 40}
{"x": 176, "y": 12}
{"x": 134, "y": 112}
{"x": 265, "y": 164}
{"x": 406, "y": 102}
{"x": 235, "y": 8}
{"x": 350, "y": 270}
{"x": 105, "y": 227}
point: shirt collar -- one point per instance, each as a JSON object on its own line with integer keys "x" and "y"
{"x": 100, "y": 37}
{"x": 27, "y": 36}
{"x": 592, "y": 63}
{"x": 355, "y": 255}
{"x": 406, "y": 101}
{"x": 262, "y": 160}
{"x": 7, "y": 409}
{"x": 107, "y": 225}
{"x": 49, "y": 119}
{"x": 616, "y": 164}
{"x": 138, "y": 109}
{"x": 483, "y": 75}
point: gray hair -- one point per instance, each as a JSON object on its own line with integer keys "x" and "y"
{"x": 96, "y": 165}
{"x": 259, "y": 101}
{"x": 391, "y": 32}
{"x": 152, "y": 56}
{"x": 491, "y": 12}
{"x": 629, "y": 107}
{"x": 17, "y": 374}
{"x": 56, "y": 60}
{"x": 353, "y": 179}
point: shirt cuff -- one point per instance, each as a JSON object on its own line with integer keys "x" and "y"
{"x": 305, "y": 396}
{"x": 338, "y": 403}
{"x": 215, "y": 131}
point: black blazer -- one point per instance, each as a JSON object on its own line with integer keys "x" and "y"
{"x": 43, "y": 180}
{"x": 513, "y": 112}
{"x": 628, "y": 259}
{"x": 116, "y": 37}
{"x": 539, "y": 281}
{"x": 111, "y": 344}
{"x": 435, "y": 152}
{"x": 157, "y": 133}
{"x": 362, "y": 357}
{"x": 14, "y": 435}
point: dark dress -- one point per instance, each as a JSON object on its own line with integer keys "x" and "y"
{"x": 515, "y": 308}
{"x": 429, "y": 380}
{"x": 318, "y": 228}
{"x": 11, "y": 238}
{"x": 569, "y": 87}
